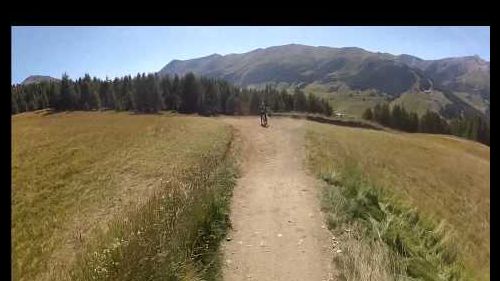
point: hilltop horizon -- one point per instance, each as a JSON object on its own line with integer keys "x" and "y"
{"x": 27, "y": 78}
{"x": 118, "y": 51}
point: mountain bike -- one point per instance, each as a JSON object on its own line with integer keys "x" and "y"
{"x": 263, "y": 120}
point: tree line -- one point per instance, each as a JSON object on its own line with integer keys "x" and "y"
{"x": 153, "y": 92}
{"x": 470, "y": 126}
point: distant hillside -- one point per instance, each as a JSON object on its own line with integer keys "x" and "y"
{"x": 295, "y": 65}
{"x": 38, "y": 79}
{"x": 464, "y": 74}
{"x": 345, "y": 70}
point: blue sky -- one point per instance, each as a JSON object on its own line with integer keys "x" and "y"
{"x": 118, "y": 51}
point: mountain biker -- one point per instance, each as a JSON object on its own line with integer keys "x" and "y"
{"x": 263, "y": 114}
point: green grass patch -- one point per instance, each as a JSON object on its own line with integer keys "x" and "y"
{"x": 410, "y": 245}
{"x": 473, "y": 100}
{"x": 420, "y": 102}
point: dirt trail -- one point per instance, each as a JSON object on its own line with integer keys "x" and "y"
{"x": 278, "y": 228}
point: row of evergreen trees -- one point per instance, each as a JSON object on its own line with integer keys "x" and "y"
{"x": 397, "y": 118}
{"x": 152, "y": 93}
{"x": 471, "y": 127}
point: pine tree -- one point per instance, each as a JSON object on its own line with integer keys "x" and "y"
{"x": 118, "y": 95}
{"x": 166, "y": 92}
{"x": 190, "y": 94}
{"x": 377, "y": 113}
{"x": 65, "y": 98}
{"x": 312, "y": 104}
{"x": 405, "y": 120}
{"x": 86, "y": 93}
{"x": 230, "y": 105}
{"x": 53, "y": 94}
{"x": 395, "y": 117}
{"x": 128, "y": 93}
{"x": 414, "y": 122}
{"x": 432, "y": 123}
{"x": 385, "y": 115}
{"x": 254, "y": 103}
{"x": 14, "y": 97}
{"x": 211, "y": 99}
{"x": 368, "y": 114}
{"x": 77, "y": 98}
{"x": 153, "y": 94}
{"x": 328, "y": 109}
{"x": 299, "y": 101}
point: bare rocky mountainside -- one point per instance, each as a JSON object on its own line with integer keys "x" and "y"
{"x": 38, "y": 79}
{"x": 457, "y": 82}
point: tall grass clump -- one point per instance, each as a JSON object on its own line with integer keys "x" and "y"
{"x": 173, "y": 236}
{"x": 383, "y": 238}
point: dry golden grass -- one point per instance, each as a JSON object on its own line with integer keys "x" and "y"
{"x": 72, "y": 173}
{"x": 364, "y": 261}
{"x": 443, "y": 177}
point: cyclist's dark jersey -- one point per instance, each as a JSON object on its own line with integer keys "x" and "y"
{"x": 262, "y": 110}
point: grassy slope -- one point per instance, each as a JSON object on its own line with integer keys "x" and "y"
{"x": 73, "y": 173}
{"x": 356, "y": 104}
{"x": 473, "y": 100}
{"x": 444, "y": 177}
{"x": 352, "y": 103}
{"x": 420, "y": 102}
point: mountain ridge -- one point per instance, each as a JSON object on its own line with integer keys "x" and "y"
{"x": 351, "y": 66}
{"x": 349, "y": 70}
{"x": 32, "y": 79}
